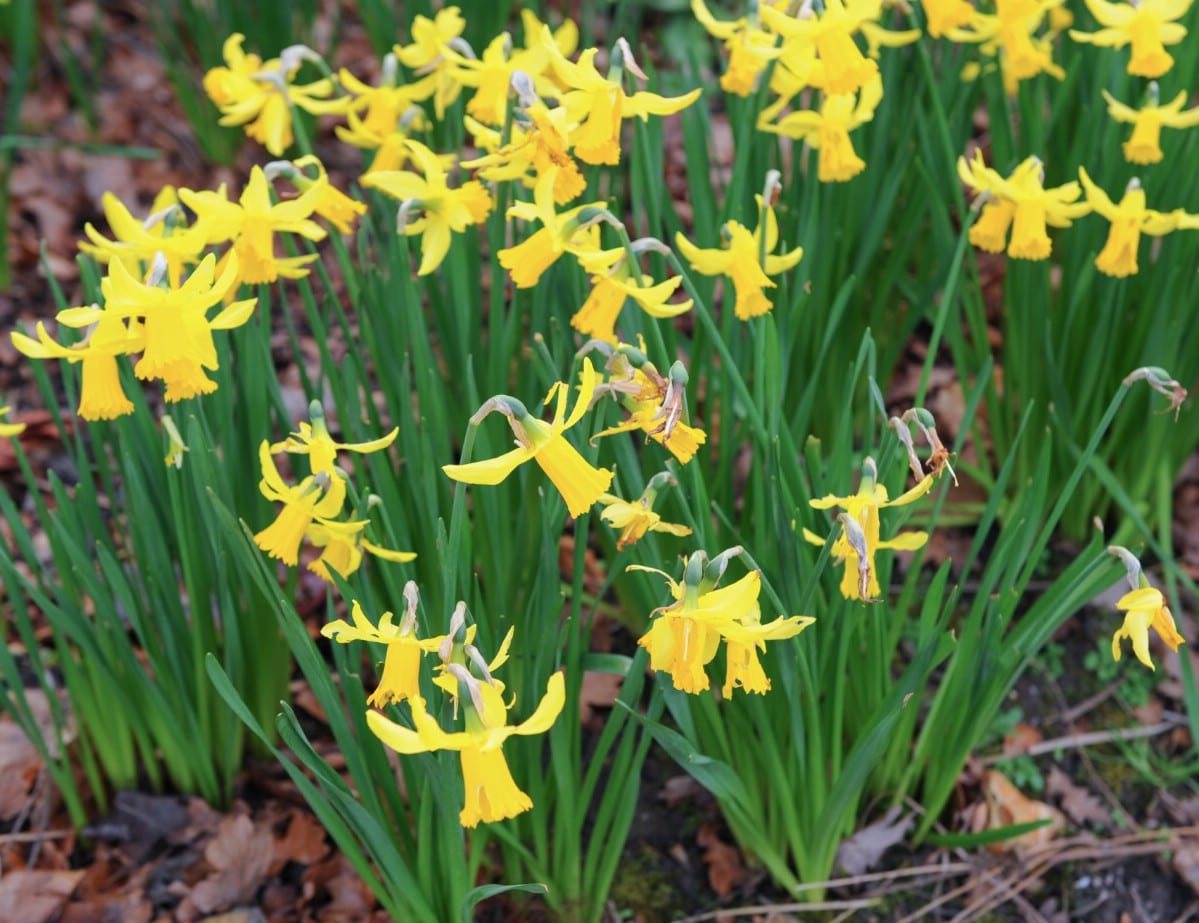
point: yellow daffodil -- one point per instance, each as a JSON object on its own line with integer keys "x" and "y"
{"x": 1128, "y": 220}
{"x": 379, "y": 111}
{"x": 137, "y": 242}
{"x": 174, "y": 324}
{"x": 1145, "y": 607}
{"x": 1147, "y": 25}
{"x": 426, "y": 54}
{"x": 684, "y": 637}
{"x": 313, "y": 440}
{"x": 657, "y": 406}
{"x": 401, "y": 664}
{"x": 572, "y": 231}
{"x": 9, "y": 430}
{"x": 317, "y": 496}
{"x": 491, "y": 794}
{"x": 943, "y": 16}
{"x": 637, "y": 518}
{"x": 741, "y": 259}
{"x": 333, "y": 205}
{"x": 342, "y": 547}
{"x": 443, "y": 211}
{"x": 579, "y": 482}
{"x": 259, "y": 94}
{"x": 252, "y": 222}
{"x": 1144, "y": 147}
{"x": 1019, "y": 202}
{"x": 1009, "y": 32}
{"x": 827, "y": 131}
{"x": 861, "y": 522}
{"x": 101, "y": 395}
{"x": 751, "y": 48}
{"x": 599, "y": 104}
{"x": 616, "y": 280}
{"x": 533, "y": 151}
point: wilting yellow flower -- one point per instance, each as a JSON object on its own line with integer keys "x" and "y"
{"x": 657, "y": 406}
{"x": 1144, "y": 146}
{"x": 443, "y": 211}
{"x": 101, "y": 395}
{"x": 858, "y": 548}
{"x": 1020, "y": 202}
{"x": 317, "y": 496}
{"x": 579, "y": 482}
{"x": 313, "y": 440}
{"x": 1148, "y": 25}
{"x": 249, "y": 90}
{"x": 1146, "y": 608}
{"x": 751, "y": 48}
{"x": 636, "y": 518}
{"x": 684, "y": 637}
{"x": 9, "y": 429}
{"x": 491, "y": 794}
{"x": 741, "y": 260}
{"x": 572, "y": 231}
{"x": 137, "y": 243}
{"x": 1128, "y": 220}
{"x": 252, "y": 222}
{"x": 615, "y": 280}
{"x": 175, "y": 329}
{"x": 827, "y": 131}
{"x": 426, "y": 54}
{"x": 401, "y": 664}
{"x": 1009, "y": 33}
{"x": 599, "y": 104}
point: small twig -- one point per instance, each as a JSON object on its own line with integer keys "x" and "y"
{"x": 752, "y": 911}
{"x": 34, "y": 837}
{"x": 1090, "y": 739}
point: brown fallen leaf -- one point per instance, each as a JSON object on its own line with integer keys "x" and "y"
{"x": 600, "y": 690}
{"x": 19, "y": 766}
{"x": 240, "y": 855}
{"x": 35, "y": 896}
{"x": 1079, "y": 803}
{"x": 725, "y": 868}
{"x": 1007, "y": 806}
{"x": 862, "y": 851}
{"x": 1022, "y": 737}
{"x": 679, "y": 788}
{"x": 304, "y": 842}
{"x": 1186, "y": 864}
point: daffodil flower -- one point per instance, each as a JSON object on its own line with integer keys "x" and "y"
{"x": 751, "y": 48}
{"x": 534, "y": 150}
{"x": 9, "y": 430}
{"x": 860, "y": 580}
{"x": 342, "y": 547}
{"x": 827, "y": 131}
{"x": 579, "y": 482}
{"x": 572, "y": 231}
{"x": 636, "y": 518}
{"x": 317, "y": 496}
{"x": 174, "y": 325}
{"x": 684, "y": 637}
{"x": 313, "y": 440}
{"x": 401, "y": 665}
{"x": 101, "y": 394}
{"x": 1020, "y": 202}
{"x": 741, "y": 259}
{"x": 1128, "y": 220}
{"x": 490, "y": 792}
{"x": 252, "y": 222}
{"x": 259, "y": 94}
{"x": 379, "y": 111}
{"x": 136, "y": 242}
{"x": 599, "y": 104}
{"x": 1147, "y": 25}
{"x": 1146, "y": 608}
{"x": 943, "y": 16}
{"x": 426, "y": 54}
{"x": 1009, "y": 33}
{"x": 616, "y": 280}
{"x": 333, "y": 205}
{"x": 1144, "y": 147}
{"x": 443, "y": 211}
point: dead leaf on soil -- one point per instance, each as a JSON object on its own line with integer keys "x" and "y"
{"x": 862, "y": 851}
{"x": 304, "y": 842}
{"x": 240, "y": 855}
{"x": 1186, "y": 864}
{"x": 1080, "y": 805}
{"x": 351, "y": 900}
{"x": 679, "y": 788}
{"x": 1007, "y": 806}
{"x": 19, "y": 766}
{"x": 725, "y": 868}
{"x": 35, "y": 896}
{"x": 1020, "y": 739}
{"x": 600, "y": 690}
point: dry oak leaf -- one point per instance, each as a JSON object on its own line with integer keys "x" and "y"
{"x": 19, "y": 766}
{"x": 304, "y": 842}
{"x": 1080, "y": 805}
{"x": 862, "y": 851}
{"x": 1007, "y": 806}
{"x": 600, "y": 690}
{"x": 240, "y": 854}
{"x": 34, "y": 895}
